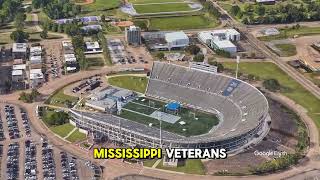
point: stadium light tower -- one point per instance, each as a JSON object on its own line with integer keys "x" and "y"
{"x": 160, "y": 119}
{"x": 237, "y": 69}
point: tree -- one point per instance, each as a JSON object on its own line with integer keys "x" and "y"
{"x": 235, "y": 10}
{"x": 160, "y": 55}
{"x": 44, "y": 34}
{"x": 29, "y": 9}
{"x": 260, "y": 10}
{"x": 19, "y": 21}
{"x": 19, "y": 36}
{"x": 193, "y": 49}
{"x": 198, "y": 58}
{"x": 272, "y": 85}
{"x": 103, "y": 18}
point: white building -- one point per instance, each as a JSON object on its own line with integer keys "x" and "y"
{"x": 70, "y": 58}
{"x": 220, "y": 39}
{"x": 36, "y": 51}
{"x": 36, "y": 77}
{"x": 225, "y": 45}
{"x": 176, "y": 40}
{"x": 93, "y": 48}
{"x": 19, "y": 50}
{"x": 35, "y": 60}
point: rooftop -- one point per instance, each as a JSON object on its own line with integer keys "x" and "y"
{"x": 17, "y": 73}
{"x": 19, "y": 67}
{"x": 92, "y": 45}
{"x": 172, "y": 36}
{"x": 223, "y": 43}
{"x": 19, "y": 47}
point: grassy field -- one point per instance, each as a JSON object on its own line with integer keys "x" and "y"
{"x": 149, "y": 162}
{"x": 287, "y": 49}
{"x": 101, "y": 5}
{"x": 62, "y": 130}
{"x": 76, "y": 136}
{"x": 192, "y": 166}
{"x": 134, "y": 83}
{"x": 181, "y": 23}
{"x": 156, "y": 8}
{"x": 201, "y": 125}
{"x": 293, "y": 90}
{"x": 94, "y": 62}
{"x": 290, "y": 33}
{"x": 5, "y": 38}
{"x": 152, "y": 1}
{"x": 60, "y": 99}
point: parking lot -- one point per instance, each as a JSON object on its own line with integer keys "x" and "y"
{"x": 53, "y": 61}
{"x": 25, "y": 154}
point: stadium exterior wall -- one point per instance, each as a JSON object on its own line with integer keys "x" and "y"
{"x": 131, "y": 138}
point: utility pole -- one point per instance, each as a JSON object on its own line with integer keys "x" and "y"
{"x": 237, "y": 69}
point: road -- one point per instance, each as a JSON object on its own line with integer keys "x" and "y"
{"x": 115, "y": 168}
{"x": 306, "y": 83}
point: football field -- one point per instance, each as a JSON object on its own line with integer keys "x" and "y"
{"x": 186, "y": 122}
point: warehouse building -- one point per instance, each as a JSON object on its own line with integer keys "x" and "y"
{"x": 166, "y": 40}
{"x": 36, "y": 77}
{"x": 220, "y": 39}
{"x": 176, "y": 40}
{"x": 19, "y": 50}
{"x": 93, "y": 48}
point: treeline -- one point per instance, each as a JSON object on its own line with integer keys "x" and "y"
{"x": 78, "y": 45}
{"x": 71, "y": 29}
{"x": 103, "y": 41}
{"x": 279, "y": 13}
{"x": 57, "y": 9}
{"x": 277, "y": 164}
{"x": 9, "y": 10}
{"x": 210, "y": 8}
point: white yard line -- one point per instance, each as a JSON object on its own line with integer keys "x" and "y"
{"x": 73, "y": 130}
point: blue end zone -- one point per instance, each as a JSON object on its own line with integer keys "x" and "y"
{"x": 233, "y": 84}
{"x": 174, "y": 106}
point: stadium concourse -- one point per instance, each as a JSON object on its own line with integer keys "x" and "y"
{"x": 241, "y": 108}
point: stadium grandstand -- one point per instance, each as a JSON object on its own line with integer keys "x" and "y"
{"x": 241, "y": 108}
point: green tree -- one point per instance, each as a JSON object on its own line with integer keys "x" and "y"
{"x": 19, "y": 21}
{"x": 19, "y": 36}
{"x": 260, "y": 10}
{"x": 193, "y": 49}
{"x": 272, "y": 85}
{"x": 160, "y": 55}
{"x": 198, "y": 58}
{"x": 44, "y": 34}
{"x": 235, "y": 10}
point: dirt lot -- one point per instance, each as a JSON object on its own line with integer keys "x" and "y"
{"x": 280, "y": 138}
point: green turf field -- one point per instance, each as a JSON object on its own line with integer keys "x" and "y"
{"x": 134, "y": 83}
{"x": 287, "y": 49}
{"x": 62, "y": 130}
{"x": 152, "y": 1}
{"x": 290, "y": 33}
{"x": 181, "y": 23}
{"x": 76, "y": 136}
{"x": 293, "y": 90}
{"x": 157, "y": 8}
{"x": 201, "y": 125}
{"x": 60, "y": 99}
{"x": 100, "y": 5}
{"x": 191, "y": 166}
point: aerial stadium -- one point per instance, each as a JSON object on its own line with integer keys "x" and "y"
{"x": 238, "y": 111}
